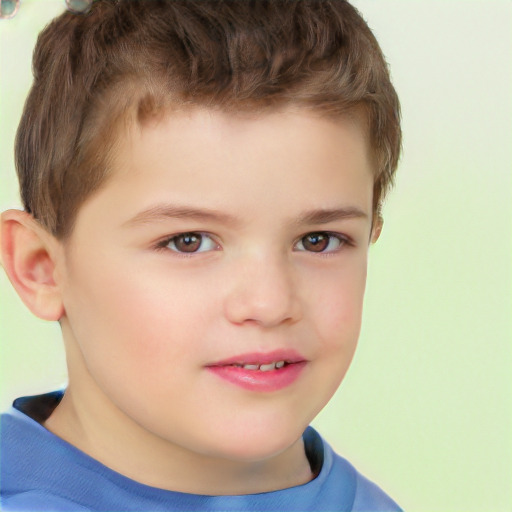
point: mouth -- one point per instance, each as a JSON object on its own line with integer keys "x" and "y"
{"x": 262, "y": 367}
{"x": 261, "y": 371}
{"x": 263, "y": 361}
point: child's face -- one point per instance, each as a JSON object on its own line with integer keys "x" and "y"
{"x": 154, "y": 333}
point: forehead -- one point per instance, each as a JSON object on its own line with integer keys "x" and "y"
{"x": 289, "y": 134}
{"x": 265, "y": 164}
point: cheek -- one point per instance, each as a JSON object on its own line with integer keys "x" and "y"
{"x": 135, "y": 322}
{"x": 341, "y": 301}
{"x": 335, "y": 317}
{"x": 338, "y": 308}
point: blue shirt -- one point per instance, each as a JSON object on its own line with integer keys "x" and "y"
{"x": 41, "y": 472}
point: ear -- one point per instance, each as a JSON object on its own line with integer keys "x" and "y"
{"x": 378, "y": 223}
{"x": 29, "y": 253}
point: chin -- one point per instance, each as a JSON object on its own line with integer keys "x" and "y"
{"x": 255, "y": 444}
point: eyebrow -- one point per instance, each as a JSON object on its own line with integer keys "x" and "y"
{"x": 169, "y": 211}
{"x": 163, "y": 212}
{"x": 324, "y": 216}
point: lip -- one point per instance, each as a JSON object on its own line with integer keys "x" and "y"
{"x": 257, "y": 380}
{"x": 290, "y": 356}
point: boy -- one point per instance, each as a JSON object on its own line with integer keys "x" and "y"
{"x": 201, "y": 182}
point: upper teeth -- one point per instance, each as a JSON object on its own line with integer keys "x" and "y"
{"x": 263, "y": 367}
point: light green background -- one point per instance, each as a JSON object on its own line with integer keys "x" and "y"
{"x": 426, "y": 407}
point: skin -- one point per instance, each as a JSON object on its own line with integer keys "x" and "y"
{"x": 141, "y": 320}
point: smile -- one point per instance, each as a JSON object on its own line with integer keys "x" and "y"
{"x": 261, "y": 367}
{"x": 261, "y": 372}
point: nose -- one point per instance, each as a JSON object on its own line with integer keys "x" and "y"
{"x": 262, "y": 291}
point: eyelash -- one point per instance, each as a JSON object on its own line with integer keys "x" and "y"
{"x": 164, "y": 244}
{"x": 344, "y": 241}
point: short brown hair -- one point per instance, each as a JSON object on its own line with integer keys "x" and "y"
{"x": 135, "y": 57}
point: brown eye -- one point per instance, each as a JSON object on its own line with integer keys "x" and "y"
{"x": 190, "y": 243}
{"x": 187, "y": 242}
{"x": 321, "y": 242}
{"x": 316, "y": 242}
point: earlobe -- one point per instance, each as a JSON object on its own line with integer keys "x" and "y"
{"x": 377, "y": 228}
{"x": 28, "y": 256}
